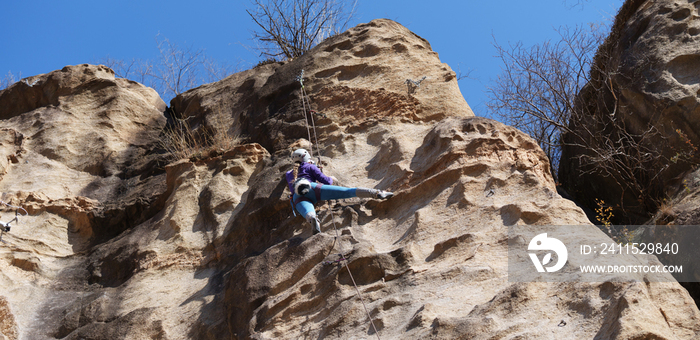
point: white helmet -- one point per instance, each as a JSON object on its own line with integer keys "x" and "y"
{"x": 301, "y": 155}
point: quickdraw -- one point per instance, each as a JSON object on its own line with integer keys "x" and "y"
{"x": 318, "y": 113}
{"x": 339, "y": 261}
{"x": 413, "y": 85}
{"x": 5, "y": 226}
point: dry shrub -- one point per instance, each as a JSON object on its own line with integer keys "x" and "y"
{"x": 182, "y": 141}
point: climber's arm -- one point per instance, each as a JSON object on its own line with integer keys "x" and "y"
{"x": 319, "y": 176}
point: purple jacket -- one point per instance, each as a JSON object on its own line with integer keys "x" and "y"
{"x": 310, "y": 172}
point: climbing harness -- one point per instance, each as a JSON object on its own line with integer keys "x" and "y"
{"x": 301, "y": 198}
{"x": 342, "y": 260}
{"x": 5, "y": 226}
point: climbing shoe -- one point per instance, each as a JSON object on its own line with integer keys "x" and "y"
{"x": 316, "y": 226}
{"x": 373, "y": 193}
{"x": 383, "y": 195}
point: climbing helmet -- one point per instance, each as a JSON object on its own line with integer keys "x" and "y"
{"x": 301, "y": 155}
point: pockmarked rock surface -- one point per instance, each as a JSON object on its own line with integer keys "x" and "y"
{"x": 647, "y": 78}
{"x": 357, "y": 77}
{"x": 210, "y": 249}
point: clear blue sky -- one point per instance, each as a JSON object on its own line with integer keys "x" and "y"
{"x": 42, "y": 36}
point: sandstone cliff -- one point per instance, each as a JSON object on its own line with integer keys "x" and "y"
{"x": 120, "y": 244}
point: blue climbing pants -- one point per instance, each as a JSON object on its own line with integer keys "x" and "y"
{"x": 320, "y": 192}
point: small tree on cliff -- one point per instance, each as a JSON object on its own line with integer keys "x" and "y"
{"x": 537, "y": 89}
{"x": 288, "y": 28}
{"x": 9, "y": 79}
{"x": 562, "y": 95}
{"x": 176, "y": 70}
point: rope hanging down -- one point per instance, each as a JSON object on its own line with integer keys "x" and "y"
{"x": 341, "y": 258}
{"x": 5, "y": 226}
{"x": 308, "y": 114}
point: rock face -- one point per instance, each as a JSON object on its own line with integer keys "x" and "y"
{"x": 209, "y": 249}
{"x": 650, "y": 62}
{"x": 77, "y": 140}
{"x": 369, "y": 65}
{"x": 74, "y": 145}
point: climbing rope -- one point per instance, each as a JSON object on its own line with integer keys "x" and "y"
{"x": 308, "y": 115}
{"x": 300, "y": 79}
{"x": 341, "y": 258}
{"x": 313, "y": 124}
{"x": 345, "y": 262}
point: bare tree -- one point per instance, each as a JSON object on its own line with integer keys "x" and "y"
{"x": 135, "y": 69}
{"x": 9, "y": 79}
{"x": 216, "y": 71}
{"x": 176, "y": 70}
{"x": 288, "y": 28}
{"x": 552, "y": 91}
{"x": 537, "y": 88}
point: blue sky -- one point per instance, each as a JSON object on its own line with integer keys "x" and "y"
{"x": 42, "y": 36}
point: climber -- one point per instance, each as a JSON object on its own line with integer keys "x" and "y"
{"x": 309, "y": 185}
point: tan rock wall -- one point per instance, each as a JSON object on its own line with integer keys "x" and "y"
{"x": 128, "y": 247}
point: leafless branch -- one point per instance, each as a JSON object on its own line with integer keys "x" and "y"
{"x": 540, "y": 92}
{"x": 9, "y": 79}
{"x": 135, "y": 69}
{"x": 288, "y": 28}
{"x": 464, "y": 75}
{"x": 176, "y": 70}
{"x": 537, "y": 87}
{"x": 216, "y": 71}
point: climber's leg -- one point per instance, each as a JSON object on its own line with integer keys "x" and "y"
{"x": 313, "y": 220}
{"x": 334, "y": 192}
{"x": 374, "y": 193}
{"x": 304, "y": 208}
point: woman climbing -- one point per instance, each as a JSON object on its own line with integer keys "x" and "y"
{"x": 309, "y": 185}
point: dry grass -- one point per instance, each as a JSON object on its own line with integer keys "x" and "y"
{"x": 666, "y": 213}
{"x": 182, "y": 141}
